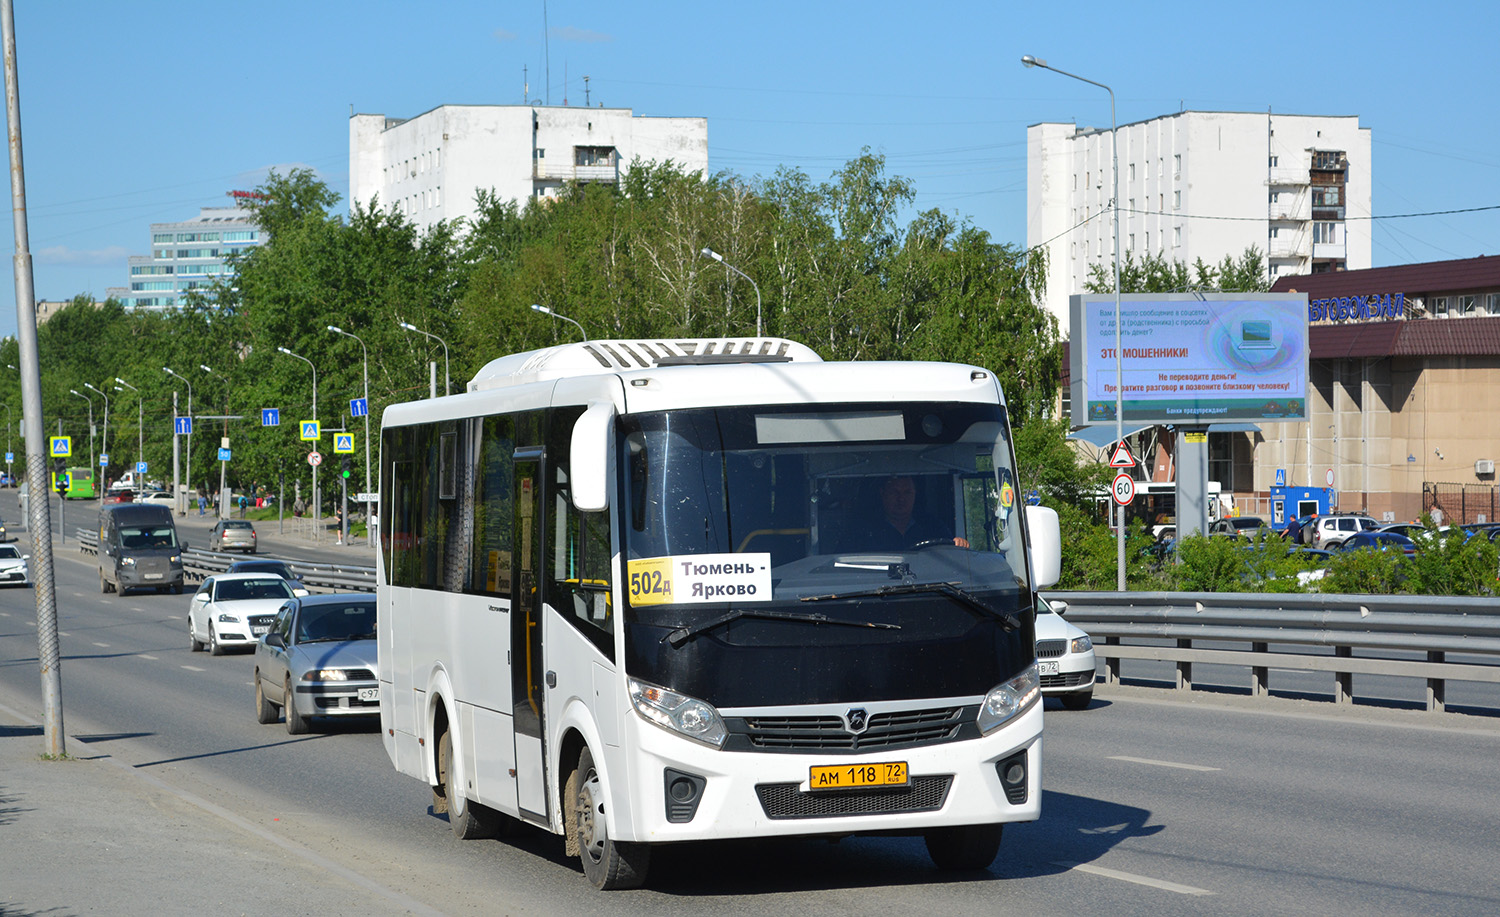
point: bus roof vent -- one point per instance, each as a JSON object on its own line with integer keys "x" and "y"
{"x": 625, "y": 356}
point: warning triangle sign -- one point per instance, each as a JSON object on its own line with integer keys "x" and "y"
{"x": 1122, "y": 457}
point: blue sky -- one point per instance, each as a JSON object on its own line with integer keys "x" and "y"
{"x": 142, "y": 112}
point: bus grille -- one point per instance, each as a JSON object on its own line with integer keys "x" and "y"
{"x": 785, "y": 800}
{"x": 1050, "y": 649}
{"x": 827, "y": 733}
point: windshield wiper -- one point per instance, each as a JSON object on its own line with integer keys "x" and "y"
{"x": 680, "y": 636}
{"x": 1010, "y": 621}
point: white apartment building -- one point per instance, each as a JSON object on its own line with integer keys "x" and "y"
{"x": 1200, "y": 184}
{"x": 431, "y": 166}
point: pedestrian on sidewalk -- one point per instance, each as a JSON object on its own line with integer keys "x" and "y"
{"x": 298, "y": 508}
{"x": 202, "y": 504}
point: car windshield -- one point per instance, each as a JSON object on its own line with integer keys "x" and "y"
{"x": 159, "y": 535}
{"x": 842, "y": 535}
{"x": 8, "y": 553}
{"x": 270, "y": 587}
{"x": 326, "y": 623}
{"x": 263, "y": 566}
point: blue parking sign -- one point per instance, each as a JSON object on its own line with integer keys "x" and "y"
{"x": 140, "y": 467}
{"x": 270, "y": 417}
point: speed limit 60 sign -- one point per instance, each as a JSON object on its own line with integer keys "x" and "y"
{"x": 1124, "y": 488}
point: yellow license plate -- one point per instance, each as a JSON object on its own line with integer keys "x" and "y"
{"x": 854, "y": 776}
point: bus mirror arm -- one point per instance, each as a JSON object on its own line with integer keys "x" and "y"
{"x": 589, "y": 458}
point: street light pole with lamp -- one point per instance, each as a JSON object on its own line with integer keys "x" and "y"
{"x": 1114, "y": 146}
{"x": 316, "y": 503}
{"x": 103, "y": 434}
{"x": 410, "y": 327}
{"x": 369, "y": 486}
{"x": 169, "y": 371}
{"x": 546, "y": 311}
{"x": 710, "y": 253}
{"x": 140, "y": 423}
{"x": 91, "y": 421}
{"x": 223, "y": 463}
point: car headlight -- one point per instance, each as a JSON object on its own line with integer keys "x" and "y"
{"x": 678, "y": 713}
{"x": 1082, "y": 644}
{"x": 325, "y": 675}
{"x": 127, "y": 561}
{"x": 299, "y": 591}
{"x": 175, "y": 559}
{"x": 228, "y": 619}
{"x": 1007, "y": 700}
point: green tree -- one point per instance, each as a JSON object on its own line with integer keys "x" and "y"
{"x": 1154, "y": 273}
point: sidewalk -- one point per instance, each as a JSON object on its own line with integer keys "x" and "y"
{"x": 91, "y": 835}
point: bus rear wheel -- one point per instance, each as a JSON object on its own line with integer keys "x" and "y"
{"x": 607, "y": 863}
{"x": 468, "y": 819}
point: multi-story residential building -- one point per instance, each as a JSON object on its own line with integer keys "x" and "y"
{"x": 430, "y": 167}
{"x": 189, "y": 255}
{"x": 1200, "y": 184}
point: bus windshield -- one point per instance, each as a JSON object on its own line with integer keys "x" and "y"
{"x": 854, "y": 548}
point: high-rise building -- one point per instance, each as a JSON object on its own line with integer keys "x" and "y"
{"x": 1200, "y": 185}
{"x": 189, "y": 255}
{"x": 430, "y": 167}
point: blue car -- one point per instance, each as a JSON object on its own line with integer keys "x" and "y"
{"x": 1379, "y": 541}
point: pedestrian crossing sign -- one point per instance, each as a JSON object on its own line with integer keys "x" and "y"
{"x": 62, "y": 447}
{"x": 311, "y": 430}
{"x": 343, "y": 442}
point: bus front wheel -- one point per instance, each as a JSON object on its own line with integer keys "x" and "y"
{"x": 607, "y": 863}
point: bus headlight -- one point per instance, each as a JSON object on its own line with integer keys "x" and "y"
{"x": 1009, "y": 699}
{"x": 679, "y": 713}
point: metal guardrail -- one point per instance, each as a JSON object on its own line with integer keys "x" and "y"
{"x": 196, "y": 564}
{"x": 1433, "y": 626}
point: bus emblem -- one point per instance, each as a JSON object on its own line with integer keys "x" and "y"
{"x": 856, "y": 720}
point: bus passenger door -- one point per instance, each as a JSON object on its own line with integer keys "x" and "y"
{"x": 528, "y": 668}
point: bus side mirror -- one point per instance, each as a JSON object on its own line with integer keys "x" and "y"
{"x": 589, "y": 458}
{"x": 1046, "y": 546}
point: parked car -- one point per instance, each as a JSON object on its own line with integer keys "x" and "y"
{"x": 14, "y": 570}
{"x": 1240, "y": 526}
{"x": 124, "y": 495}
{"x": 318, "y": 659}
{"x": 1379, "y": 541}
{"x": 1314, "y": 560}
{"x": 232, "y": 535}
{"x": 1064, "y": 657}
{"x": 1329, "y": 530}
{"x": 275, "y": 567}
{"x": 157, "y": 496}
{"x": 233, "y": 609}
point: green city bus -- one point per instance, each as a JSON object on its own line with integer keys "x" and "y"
{"x": 80, "y": 484}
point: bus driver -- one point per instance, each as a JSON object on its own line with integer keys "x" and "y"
{"x": 899, "y": 525}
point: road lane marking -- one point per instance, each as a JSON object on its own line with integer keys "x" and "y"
{"x": 63, "y": 633}
{"x": 1186, "y": 767}
{"x": 103, "y": 645}
{"x": 1135, "y": 879}
{"x": 144, "y": 656}
{"x": 193, "y": 668}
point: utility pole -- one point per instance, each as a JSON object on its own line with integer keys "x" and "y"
{"x": 40, "y": 522}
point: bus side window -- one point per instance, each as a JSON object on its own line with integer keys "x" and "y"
{"x": 578, "y": 548}
{"x": 489, "y": 565}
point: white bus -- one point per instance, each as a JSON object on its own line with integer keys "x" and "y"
{"x": 639, "y": 593}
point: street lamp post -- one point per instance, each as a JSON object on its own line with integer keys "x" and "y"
{"x": 317, "y": 506}
{"x": 546, "y": 311}
{"x": 169, "y": 371}
{"x": 140, "y": 423}
{"x": 224, "y": 511}
{"x": 369, "y": 487}
{"x": 710, "y": 253}
{"x": 10, "y": 424}
{"x": 1114, "y": 147}
{"x": 91, "y": 421}
{"x": 103, "y": 434}
{"x": 410, "y": 327}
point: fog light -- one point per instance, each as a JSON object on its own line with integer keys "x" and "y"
{"x": 684, "y": 792}
{"x": 1012, "y": 773}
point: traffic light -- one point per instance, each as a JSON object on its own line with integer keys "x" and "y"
{"x": 62, "y": 484}
{"x": 346, "y": 466}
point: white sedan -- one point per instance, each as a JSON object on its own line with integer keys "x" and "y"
{"x": 14, "y": 570}
{"x": 157, "y": 496}
{"x": 1064, "y": 657}
{"x": 234, "y": 609}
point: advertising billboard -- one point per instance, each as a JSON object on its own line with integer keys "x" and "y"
{"x": 1191, "y": 358}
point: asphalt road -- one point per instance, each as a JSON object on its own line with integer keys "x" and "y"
{"x": 1216, "y": 805}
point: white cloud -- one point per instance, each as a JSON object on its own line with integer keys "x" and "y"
{"x": 568, "y": 33}
{"x": 504, "y": 35}
{"x": 61, "y": 254}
